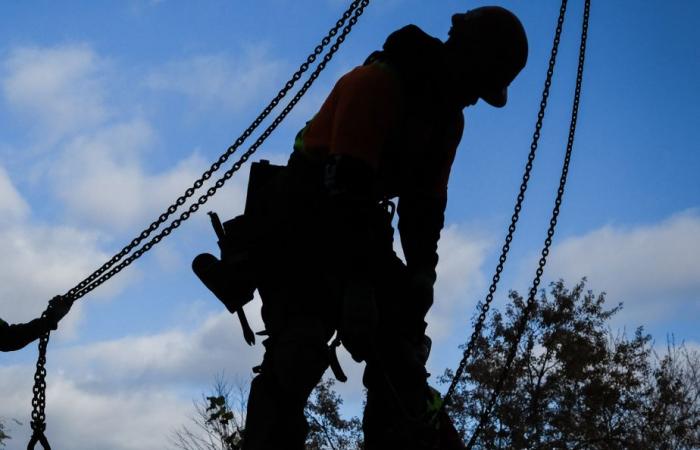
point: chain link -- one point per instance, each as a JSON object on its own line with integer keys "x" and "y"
{"x": 531, "y": 301}
{"x": 108, "y": 270}
{"x": 486, "y": 304}
{"x": 39, "y": 396}
{"x": 194, "y": 207}
{"x": 310, "y": 59}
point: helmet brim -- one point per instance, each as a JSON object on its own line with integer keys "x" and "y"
{"x": 497, "y": 98}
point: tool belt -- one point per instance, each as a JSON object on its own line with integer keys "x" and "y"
{"x": 233, "y": 277}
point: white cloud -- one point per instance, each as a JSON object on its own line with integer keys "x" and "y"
{"x": 653, "y": 269}
{"x": 81, "y": 419}
{"x": 12, "y": 206}
{"x": 132, "y": 388}
{"x": 459, "y": 279}
{"x": 99, "y": 170}
{"x": 59, "y": 87}
{"x": 692, "y": 346}
{"x": 102, "y": 180}
{"x": 220, "y": 81}
{"x": 133, "y": 391}
{"x": 42, "y": 261}
{"x": 136, "y": 390}
{"x": 215, "y": 345}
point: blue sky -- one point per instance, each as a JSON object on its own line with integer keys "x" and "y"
{"x": 108, "y": 111}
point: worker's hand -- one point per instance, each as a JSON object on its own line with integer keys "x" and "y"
{"x": 359, "y": 320}
{"x": 58, "y": 308}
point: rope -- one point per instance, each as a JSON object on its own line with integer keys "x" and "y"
{"x": 108, "y": 270}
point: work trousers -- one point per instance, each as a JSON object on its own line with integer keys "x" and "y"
{"x": 395, "y": 375}
{"x": 296, "y": 358}
{"x": 294, "y": 363}
{"x": 301, "y": 312}
{"x": 298, "y": 311}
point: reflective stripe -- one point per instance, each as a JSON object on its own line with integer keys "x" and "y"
{"x": 299, "y": 139}
{"x": 435, "y": 402}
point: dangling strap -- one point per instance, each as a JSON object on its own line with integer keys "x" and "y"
{"x": 335, "y": 364}
{"x": 248, "y": 333}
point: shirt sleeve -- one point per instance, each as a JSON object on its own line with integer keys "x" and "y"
{"x": 451, "y": 141}
{"x": 15, "y": 337}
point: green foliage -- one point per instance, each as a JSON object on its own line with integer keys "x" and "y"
{"x": 218, "y": 421}
{"x": 327, "y": 429}
{"x": 3, "y": 436}
{"x": 575, "y": 384}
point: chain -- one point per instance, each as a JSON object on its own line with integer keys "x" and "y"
{"x": 107, "y": 271}
{"x": 194, "y": 207}
{"x": 516, "y": 212}
{"x": 39, "y": 399}
{"x": 531, "y": 302}
{"x": 311, "y": 58}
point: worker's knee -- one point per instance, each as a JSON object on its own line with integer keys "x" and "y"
{"x": 274, "y": 421}
{"x": 298, "y": 364}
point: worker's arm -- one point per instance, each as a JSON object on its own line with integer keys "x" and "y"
{"x": 421, "y": 218}
{"x": 15, "y": 337}
{"x": 422, "y": 215}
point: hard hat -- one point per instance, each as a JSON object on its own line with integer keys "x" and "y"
{"x": 496, "y": 39}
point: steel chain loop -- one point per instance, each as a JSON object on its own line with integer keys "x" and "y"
{"x": 486, "y": 304}
{"x": 99, "y": 276}
{"x": 194, "y": 207}
{"x": 311, "y": 58}
{"x": 531, "y": 301}
{"x": 39, "y": 396}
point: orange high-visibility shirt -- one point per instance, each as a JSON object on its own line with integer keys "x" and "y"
{"x": 361, "y": 117}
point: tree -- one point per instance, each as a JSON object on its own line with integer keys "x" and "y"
{"x": 219, "y": 420}
{"x": 672, "y": 411}
{"x": 328, "y": 430}
{"x": 576, "y": 385}
{"x": 3, "y": 436}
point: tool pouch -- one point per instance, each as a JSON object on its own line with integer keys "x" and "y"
{"x": 233, "y": 277}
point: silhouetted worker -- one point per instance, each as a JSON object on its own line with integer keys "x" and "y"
{"x": 389, "y": 129}
{"x": 15, "y": 337}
